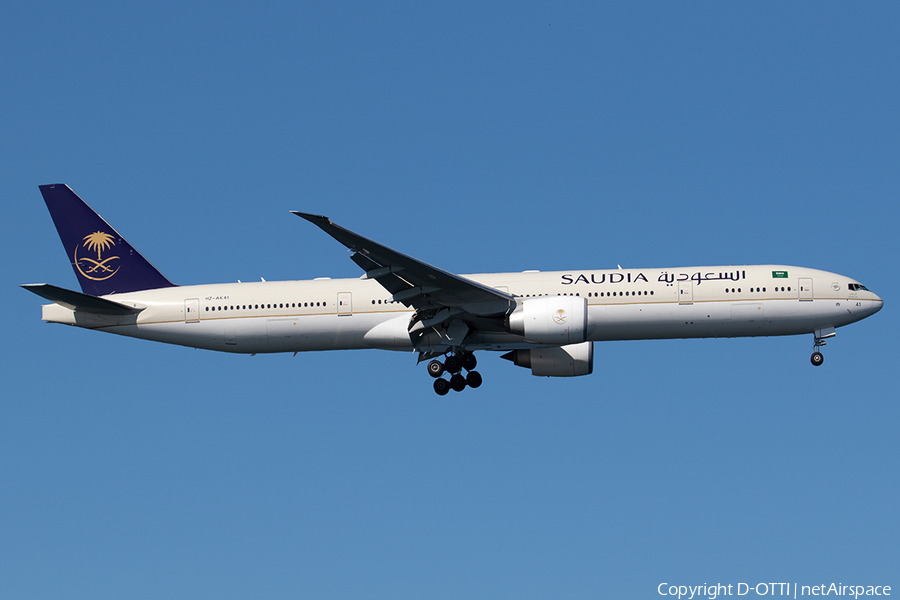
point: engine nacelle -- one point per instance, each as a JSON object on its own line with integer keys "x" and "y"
{"x": 558, "y": 320}
{"x": 573, "y": 360}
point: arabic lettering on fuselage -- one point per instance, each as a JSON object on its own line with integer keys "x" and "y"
{"x": 664, "y": 277}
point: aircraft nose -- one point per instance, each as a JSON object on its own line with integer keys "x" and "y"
{"x": 877, "y": 303}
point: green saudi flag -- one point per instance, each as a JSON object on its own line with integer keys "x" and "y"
{"x": 779, "y": 274}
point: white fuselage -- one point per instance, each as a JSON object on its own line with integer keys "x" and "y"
{"x": 625, "y": 304}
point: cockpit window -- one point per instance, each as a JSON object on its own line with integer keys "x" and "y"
{"x": 857, "y": 287}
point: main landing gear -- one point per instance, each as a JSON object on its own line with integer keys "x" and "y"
{"x": 453, "y": 364}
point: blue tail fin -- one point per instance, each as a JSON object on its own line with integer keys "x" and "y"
{"x": 103, "y": 261}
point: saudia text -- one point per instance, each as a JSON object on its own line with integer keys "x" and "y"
{"x": 664, "y": 277}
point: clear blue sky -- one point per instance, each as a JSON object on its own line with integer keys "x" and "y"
{"x": 478, "y": 138}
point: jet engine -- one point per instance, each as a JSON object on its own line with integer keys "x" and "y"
{"x": 558, "y": 320}
{"x": 560, "y": 361}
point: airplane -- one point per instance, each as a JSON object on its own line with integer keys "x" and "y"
{"x": 544, "y": 321}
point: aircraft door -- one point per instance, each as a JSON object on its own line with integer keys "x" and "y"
{"x": 344, "y": 304}
{"x": 685, "y": 292}
{"x": 806, "y": 288}
{"x": 192, "y": 310}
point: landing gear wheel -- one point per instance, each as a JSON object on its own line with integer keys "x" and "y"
{"x": 469, "y": 361}
{"x": 441, "y": 387}
{"x": 817, "y": 359}
{"x": 435, "y": 368}
{"x": 473, "y": 379}
{"x": 458, "y": 383}
{"x": 452, "y": 364}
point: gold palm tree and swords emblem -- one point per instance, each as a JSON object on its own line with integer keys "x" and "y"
{"x": 99, "y": 269}
{"x": 560, "y": 317}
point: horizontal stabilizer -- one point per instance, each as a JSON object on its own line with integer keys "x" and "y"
{"x": 78, "y": 301}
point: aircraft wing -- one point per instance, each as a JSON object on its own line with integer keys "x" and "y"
{"x": 413, "y": 282}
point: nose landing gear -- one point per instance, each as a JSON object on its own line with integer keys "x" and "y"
{"x": 818, "y": 341}
{"x": 453, "y": 364}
